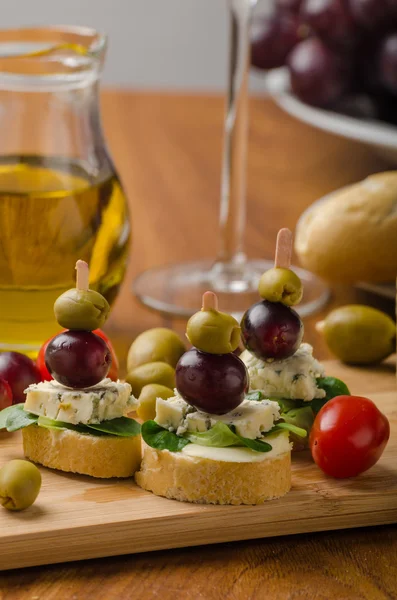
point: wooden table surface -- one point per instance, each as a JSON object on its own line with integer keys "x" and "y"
{"x": 167, "y": 149}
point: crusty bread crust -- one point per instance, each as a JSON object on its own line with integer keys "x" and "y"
{"x": 98, "y": 456}
{"x": 205, "y": 481}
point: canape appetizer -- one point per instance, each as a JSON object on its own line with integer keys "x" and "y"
{"x": 76, "y": 421}
{"x": 280, "y": 366}
{"x": 211, "y": 443}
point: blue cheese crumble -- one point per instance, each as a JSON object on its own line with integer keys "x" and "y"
{"x": 293, "y": 378}
{"x": 251, "y": 418}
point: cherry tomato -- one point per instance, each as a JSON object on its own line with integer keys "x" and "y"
{"x": 348, "y": 436}
{"x": 5, "y": 394}
{"x": 114, "y": 369}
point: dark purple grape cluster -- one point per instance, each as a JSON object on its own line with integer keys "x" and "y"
{"x": 337, "y": 52}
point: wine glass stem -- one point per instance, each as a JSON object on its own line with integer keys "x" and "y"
{"x": 233, "y": 187}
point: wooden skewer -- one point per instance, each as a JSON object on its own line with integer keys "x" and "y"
{"x": 82, "y": 275}
{"x": 283, "y": 249}
{"x": 210, "y": 301}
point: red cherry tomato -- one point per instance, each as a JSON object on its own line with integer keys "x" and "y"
{"x": 5, "y": 394}
{"x": 40, "y": 362}
{"x": 348, "y": 436}
{"x": 114, "y": 369}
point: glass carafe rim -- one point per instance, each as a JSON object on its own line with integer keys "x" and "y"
{"x": 46, "y": 57}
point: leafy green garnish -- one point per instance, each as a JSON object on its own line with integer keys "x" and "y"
{"x": 302, "y": 418}
{"x": 5, "y": 413}
{"x": 122, "y": 427}
{"x": 333, "y": 387}
{"x": 62, "y": 425}
{"x": 257, "y": 445}
{"x": 299, "y": 431}
{"x": 219, "y": 436}
{"x": 286, "y": 404}
{"x": 14, "y": 417}
{"x": 256, "y": 395}
{"x": 160, "y": 438}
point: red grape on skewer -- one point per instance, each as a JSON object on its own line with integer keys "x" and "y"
{"x": 78, "y": 359}
{"x": 271, "y": 330}
{"x": 213, "y": 383}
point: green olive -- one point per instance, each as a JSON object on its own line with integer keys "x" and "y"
{"x": 20, "y": 483}
{"x": 81, "y": 309}
{"x": 213, "y": 332}
{"x": 154, "y": 372}
{"x": 158, "y": 344}
{"x": 147, "y": 400}
{"x": 281, "y": 285}
{"x": 359, "y": 334}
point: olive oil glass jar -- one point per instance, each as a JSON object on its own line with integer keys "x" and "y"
{"x": 60, "y": 197}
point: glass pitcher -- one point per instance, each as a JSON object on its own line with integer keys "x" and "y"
{"x": 60, "y": 197}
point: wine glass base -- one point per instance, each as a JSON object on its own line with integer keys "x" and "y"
{"x": 176, "y": 290}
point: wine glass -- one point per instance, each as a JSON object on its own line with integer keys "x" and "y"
{"x": 177, "y": 289}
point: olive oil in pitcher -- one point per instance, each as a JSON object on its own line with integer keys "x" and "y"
{"x": 52, "y": 213}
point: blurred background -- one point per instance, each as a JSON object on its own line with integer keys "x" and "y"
{"x": 179, "y": 43}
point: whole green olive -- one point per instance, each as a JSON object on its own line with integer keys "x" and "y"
{"x": 359, "y": 334}
{"x": 20, "y": 483}
{"x": 154, "y": 372}
{"x": 81, "y": 309}
{"x": 157, "y": 344}
{"x": 281, "y": 285}
{"x": 147, "y": 400}
{"x": 213, "y": 332}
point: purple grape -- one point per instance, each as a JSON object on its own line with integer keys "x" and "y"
{"x": 331, "y": 21}
{"x": 271, "y": 330}
{"x": 373, "y": 14}
{"x": 316, "y": 74}
{"x": 78, "y": 359}
{"x": 388, "y": 62}
{"x": 291, "y": 6}
{"x": 19, "y": 371}
{"x": 213, "y": 383}
{"x": 272, "y": 38}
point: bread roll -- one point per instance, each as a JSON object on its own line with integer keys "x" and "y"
{"x": 67, "y": 450}
{"x": 212, "y": 481}
{"x": 352, "y": 235}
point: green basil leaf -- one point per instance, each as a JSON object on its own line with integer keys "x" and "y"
{"x": 299, "y": 431}
{"x": 286, "y": 404}
{"x": 10, "y": 410}
{"x": 18, "y": 418}
{"x": 122, "y": 427}
{"x": 333, "y": 387}
{"x": 219, "y": 436}
{"x": 257, "y": 445}
{"x": 157, "y": 437}
{"x": 256, "y": 395}
{"x": 299, "y": 417}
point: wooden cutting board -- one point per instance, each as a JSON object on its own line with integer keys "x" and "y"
{"x": 78, "y": 517}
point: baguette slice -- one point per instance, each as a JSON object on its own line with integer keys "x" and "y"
{"x": 98, "y": 456}
{"x": 187, "y": 478}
